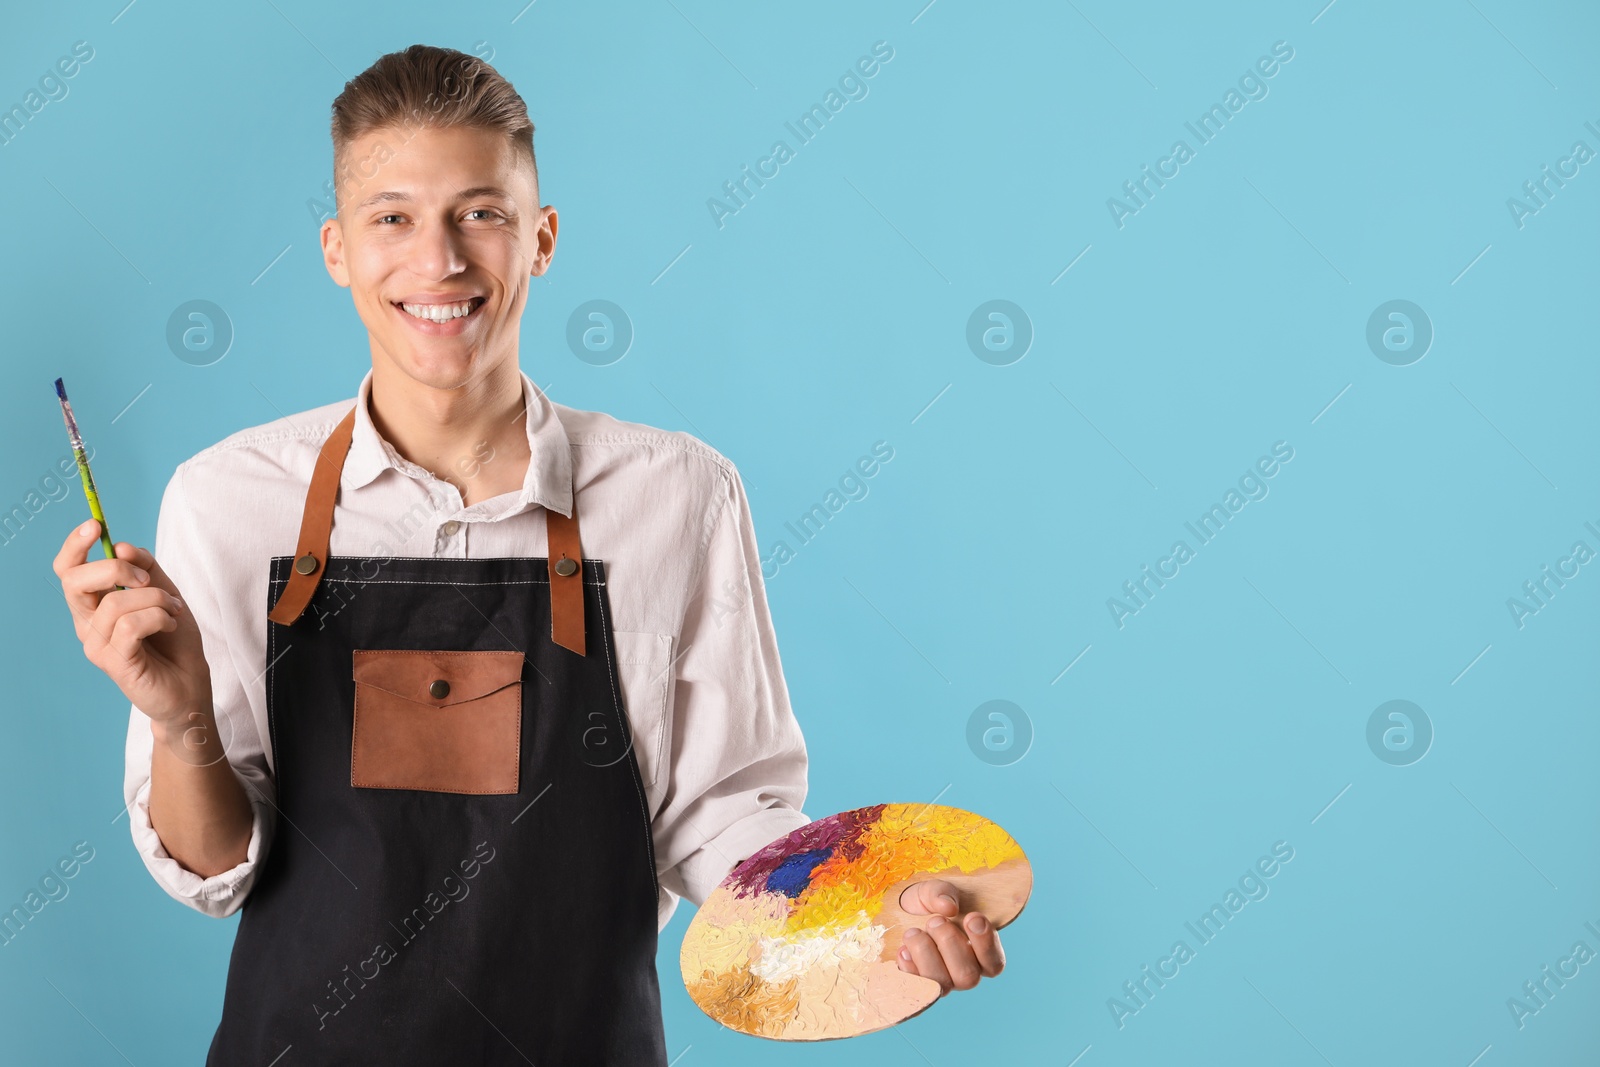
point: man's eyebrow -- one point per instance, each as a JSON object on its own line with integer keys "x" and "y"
{"x": 484, "y": 190}
{"x": 384, "y": 197}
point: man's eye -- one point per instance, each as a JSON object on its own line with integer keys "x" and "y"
{"x": 381, "y": 218}
{"x": 481, "y": 211}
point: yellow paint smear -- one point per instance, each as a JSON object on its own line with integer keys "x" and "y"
{"x": 907, "y": 839}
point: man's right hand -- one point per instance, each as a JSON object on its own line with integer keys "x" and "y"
{"x": 142, "y": 636}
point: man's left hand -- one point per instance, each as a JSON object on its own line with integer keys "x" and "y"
{"x": 952, "y": 948}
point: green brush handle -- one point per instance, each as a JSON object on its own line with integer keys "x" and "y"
{"x": 94, "y": 502}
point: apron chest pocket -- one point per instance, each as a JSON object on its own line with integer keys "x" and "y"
{"x": 446, "y": 722}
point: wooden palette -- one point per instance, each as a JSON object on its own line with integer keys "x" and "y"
{"x": 801, "y": 941}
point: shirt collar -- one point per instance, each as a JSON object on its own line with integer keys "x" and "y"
{"x": 549, "y": 478}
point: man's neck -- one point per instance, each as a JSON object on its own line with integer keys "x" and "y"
{"x": 474, "y": 437}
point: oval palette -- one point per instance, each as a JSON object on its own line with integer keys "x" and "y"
{"x": 800, "y": 942}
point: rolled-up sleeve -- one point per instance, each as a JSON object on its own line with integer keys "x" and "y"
{"x": 183, "y": 557}
{"x": 738, "y": 759}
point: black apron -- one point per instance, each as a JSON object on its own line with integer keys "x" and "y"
{"x": 462, "y": 871}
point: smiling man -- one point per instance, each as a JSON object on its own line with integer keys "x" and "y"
{"x": 455, "y": 760}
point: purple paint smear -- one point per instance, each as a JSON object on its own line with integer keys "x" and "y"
{"x": 840, "y": 833}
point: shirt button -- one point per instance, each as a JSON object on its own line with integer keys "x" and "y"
{"x": 449, "y": 529}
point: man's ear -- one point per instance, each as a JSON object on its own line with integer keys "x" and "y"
{"x": 333, "y": 252}
{"x": 545, "y": 233}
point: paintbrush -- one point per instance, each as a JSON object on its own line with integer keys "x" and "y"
{"x": 83, "y": 471}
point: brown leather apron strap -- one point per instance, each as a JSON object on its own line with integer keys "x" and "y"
{"x": 316, "y": 523}
{"x": 311, "y": 551}
{"x": 566, "y": 579}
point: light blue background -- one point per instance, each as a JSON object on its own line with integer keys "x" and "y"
{"x": 1227, "y": 315}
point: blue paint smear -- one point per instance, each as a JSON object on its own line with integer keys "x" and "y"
{"x": 794, "y": 874}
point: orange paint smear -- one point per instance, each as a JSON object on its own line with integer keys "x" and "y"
{"x": 907, "y": 839}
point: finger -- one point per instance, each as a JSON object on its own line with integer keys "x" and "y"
{"x": 115, "y": 604}
{"x": 75, "y": 549}
{"x": 985, "y": 942}
{"x": 87, "y": 585}
{"x": 959, "y": 961}
{"x": 933, "y": 896}
{"x": 84, "y": 583}
{"x": 925, "y": 955}
{"x": 134, "y": 626}
{"x": 142, "y": 558}
{"x": 101, "y": 625}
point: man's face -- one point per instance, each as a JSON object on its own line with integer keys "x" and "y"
{"x": 431, "y": 221}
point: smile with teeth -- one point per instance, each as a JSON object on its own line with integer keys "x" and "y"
{"x": 442, "y": 312}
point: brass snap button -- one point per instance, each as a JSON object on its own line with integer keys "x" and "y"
{"x": 566, "y": 567}
{"x": 306, "y": 564}
{"x": 439, "y": 689}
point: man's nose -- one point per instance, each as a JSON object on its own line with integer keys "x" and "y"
{"x": 436, "y": 252}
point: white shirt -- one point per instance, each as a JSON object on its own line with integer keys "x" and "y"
{"x": 719, "y": 750}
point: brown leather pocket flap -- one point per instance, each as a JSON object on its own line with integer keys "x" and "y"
{"x": 437, "y": 679}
